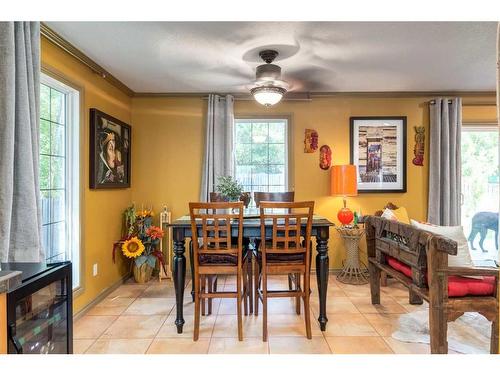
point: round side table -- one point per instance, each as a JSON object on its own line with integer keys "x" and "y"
{"x": 352, "y": 273}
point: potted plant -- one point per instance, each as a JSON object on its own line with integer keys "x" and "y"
{"x": 229, "y": 188}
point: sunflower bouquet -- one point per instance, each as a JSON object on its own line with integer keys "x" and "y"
{"x": 141, "y": 240}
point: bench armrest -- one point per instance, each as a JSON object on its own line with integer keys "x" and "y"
{"x": 471, "y": 271}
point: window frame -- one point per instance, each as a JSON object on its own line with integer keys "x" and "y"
{"x": 289, "y": 176}
{"x": 73, "y": 170}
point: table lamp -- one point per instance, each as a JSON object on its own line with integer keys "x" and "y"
{"x": 344, "y": 183}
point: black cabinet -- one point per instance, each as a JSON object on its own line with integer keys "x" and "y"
{"x": 39, "y": 311}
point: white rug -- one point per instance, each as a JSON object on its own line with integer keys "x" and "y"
{"x": 469, "y": 334}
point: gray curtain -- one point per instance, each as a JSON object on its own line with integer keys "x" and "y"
{"x": 20, "y": 215}
{"x": 445, "y": 161}
{"x": 218, "y": 156}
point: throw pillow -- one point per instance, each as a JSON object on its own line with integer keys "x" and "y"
{"x": 398, "y": 214}
{"x": 455, "y": 233}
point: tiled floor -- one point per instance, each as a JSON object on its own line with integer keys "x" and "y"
{"x": 140, "y": 319}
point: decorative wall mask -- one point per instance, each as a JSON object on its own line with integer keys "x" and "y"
{"x": 418, "y": 150}
{"x": 310, "y": 141}
{"x": 325, "y": 157}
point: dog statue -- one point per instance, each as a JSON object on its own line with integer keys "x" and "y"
{"x": 481, "y": 222}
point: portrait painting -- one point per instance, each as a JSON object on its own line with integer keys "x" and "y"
{"x": 378, "y": 149}
{"x": 109, "y": 151}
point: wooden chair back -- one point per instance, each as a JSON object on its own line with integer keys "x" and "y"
{"x": 289, "y": 226}
{"x": 260, "y": 196}
{"x": 211, "y": 229}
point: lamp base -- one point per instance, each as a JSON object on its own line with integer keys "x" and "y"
{"x": 345, "y": 216}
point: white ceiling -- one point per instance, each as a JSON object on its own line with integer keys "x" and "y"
{"x": 316, "y": 56}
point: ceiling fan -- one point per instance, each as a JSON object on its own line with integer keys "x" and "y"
{"x": 268, "y": 88}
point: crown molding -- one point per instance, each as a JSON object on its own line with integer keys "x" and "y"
{"x": 69, "y": 48}
{"x": 308, "y": 96}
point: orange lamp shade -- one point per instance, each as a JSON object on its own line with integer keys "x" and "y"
{"x": 344, "y": 180}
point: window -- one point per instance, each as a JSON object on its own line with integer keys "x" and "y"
{"x": 59, "y": 173}
{"x": 480, "y": 188}
{"x": 261, "y": 154}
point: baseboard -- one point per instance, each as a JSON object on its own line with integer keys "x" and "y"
{"x": 101, "y": 296}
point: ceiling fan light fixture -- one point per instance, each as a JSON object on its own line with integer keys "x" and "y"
{"x": 269, "y": 88}
{"x": 268, "y": 95}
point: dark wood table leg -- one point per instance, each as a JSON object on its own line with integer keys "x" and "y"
{"x": 322, "y": 265}
{"x": 179, "y": 275}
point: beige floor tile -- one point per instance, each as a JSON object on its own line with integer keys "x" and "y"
{"x": 291, "y": 325}
{"x": 403, "y": 301}
{"x": 135, "y": 326}
{"x": 151, "y": 306}
{"x": 400, "y": 347}
{"x": 282, "y": 306}
{"x": 120, "y": 346}
{"x": 179, "y": 346}
{"x": 356, "y": 290}
{"x": 91, "y": 327}
{"x": 333, "y": 290}
{"x": 384, "y": 324}
{"x": 349, "y": 325}
{"x": 335, "y": 305}
{"x": 230, "y": 280}
{"x": 164, "y": 289}
{"x": 394, "y": 289}
{"x": 111, "y": 306}
{"x": 227, "y": 326}
{"x": 129, "y": 291}
{"x": 231, "y": 345}
{"x": 298, "y": 345}
{"x": 358, "y": 345}
{"x": 228, "y": 306}
{"x": 169, "y": 329}
{"x": 387, "y": 306}
{"x": 80, "y": 346}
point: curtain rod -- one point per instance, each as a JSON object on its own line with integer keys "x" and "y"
{"x": 471, "y": 104}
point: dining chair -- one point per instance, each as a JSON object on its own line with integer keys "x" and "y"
{"x": 210, "y": 282}
{"x": 284, "y": 196}
{"x": 214, "y": 253}
{"x": 261, "y": 196}
{"x": 287, "y": 252}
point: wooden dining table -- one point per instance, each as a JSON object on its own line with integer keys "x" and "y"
{"x": 181, "y": 230}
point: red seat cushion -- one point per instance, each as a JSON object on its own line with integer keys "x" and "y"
{"x": 458, "y": 286}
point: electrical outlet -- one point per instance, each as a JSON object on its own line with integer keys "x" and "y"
{"x": 94, "y": 270}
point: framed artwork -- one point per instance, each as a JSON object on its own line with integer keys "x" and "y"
{"x": 378, "y": 149}
{"x": 109, "y": 151}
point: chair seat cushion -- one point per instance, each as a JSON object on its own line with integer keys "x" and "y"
{"x": 282, "y": 258}
{"x": 219, "y": 259}
{"x": 458, "y": 286}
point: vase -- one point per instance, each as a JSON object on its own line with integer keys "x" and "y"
{"x": 142, "y": 274}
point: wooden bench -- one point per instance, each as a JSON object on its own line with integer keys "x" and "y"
{"x": 427, "y": 256}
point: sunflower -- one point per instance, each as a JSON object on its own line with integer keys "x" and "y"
{"x": 133, "y": 247}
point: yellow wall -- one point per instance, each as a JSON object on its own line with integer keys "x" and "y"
{"x": 101, "y": 209}
{"x": 168, "y": 151}
{"x": 167, "y": 148}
